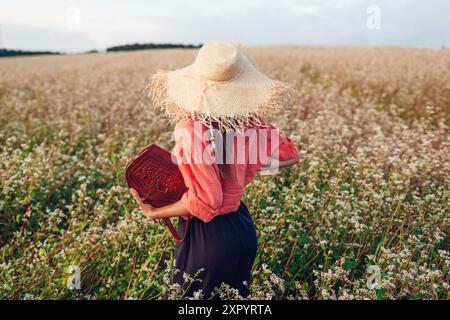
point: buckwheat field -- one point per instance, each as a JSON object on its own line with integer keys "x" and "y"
{"x": 371, "y": 191}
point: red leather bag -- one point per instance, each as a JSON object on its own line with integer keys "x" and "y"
{"x": 157, "y": 180}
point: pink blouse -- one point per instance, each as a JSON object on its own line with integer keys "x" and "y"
{"x": 209, "y": 194}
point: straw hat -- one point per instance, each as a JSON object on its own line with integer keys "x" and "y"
{"x": 222, "y": 85}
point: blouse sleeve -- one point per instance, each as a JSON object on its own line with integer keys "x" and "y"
{"x": 282, "y": 147}
{"x": 198, "y": 166}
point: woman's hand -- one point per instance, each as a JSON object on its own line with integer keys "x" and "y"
{"x": 176, "y": 209}
{"x": 278, "y": 164}
{"x": 148, "y": 209}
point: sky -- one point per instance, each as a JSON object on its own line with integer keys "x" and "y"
{"x": 81, "y": 25}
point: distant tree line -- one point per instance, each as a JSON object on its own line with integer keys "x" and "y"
{"x": 11, "y": 53}
{"x": 128, "y": 47}
{"x": 145, "y": 46}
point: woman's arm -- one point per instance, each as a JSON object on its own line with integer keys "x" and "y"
{"x": 283, "y": 152}
{"x": 176, "y": 209}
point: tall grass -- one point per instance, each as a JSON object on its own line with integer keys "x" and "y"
{"x": 372, "y": 186}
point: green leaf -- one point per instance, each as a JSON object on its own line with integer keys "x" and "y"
{"x": 305, "y": 286}
{"x": 350, "y": 264}
{"x": 380, "y": 292}
{"x": 304, "y": 239}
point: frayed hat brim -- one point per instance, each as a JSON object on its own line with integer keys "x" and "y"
{"x": 233, "y": 105}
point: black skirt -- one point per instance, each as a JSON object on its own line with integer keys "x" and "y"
{"x": 224, "y": 247}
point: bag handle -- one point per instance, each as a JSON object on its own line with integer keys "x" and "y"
{"x": 174, "y": 232}
{"x": 172, "y": 229}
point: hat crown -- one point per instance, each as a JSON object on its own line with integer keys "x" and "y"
{"x": 218, "y": 61}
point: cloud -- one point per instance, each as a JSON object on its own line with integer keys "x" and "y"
{"x": 45, "y": 38}
{"x": 253, "y": 22}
